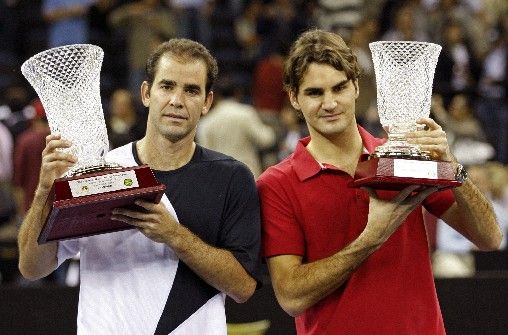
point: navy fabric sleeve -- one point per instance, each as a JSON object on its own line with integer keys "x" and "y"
{"x": 240, "y": 230}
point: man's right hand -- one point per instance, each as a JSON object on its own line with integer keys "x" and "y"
{"x": 385, "y": 216}
{"x": 54, "y": 162}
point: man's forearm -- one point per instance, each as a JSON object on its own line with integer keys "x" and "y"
{"x": 218, "y": 267}
{"x": 480, "y": 225}
{"x": 303, "y": 285}
{"x": 35, "y": 261}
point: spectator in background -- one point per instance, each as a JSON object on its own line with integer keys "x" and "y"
{"x": 280, "y": 23}
{"x": 268, "y": 97}
{"x": 235, "y": 128}
{"x": 15, "y": 113}
{"x": 456, "y": 69}
{"x": 68, "y": 21}
{"x": 113, "y": 72}
{"x": 465, "y": 133}
{"x": 28, "y": 158}
{"x": 405, "y": 25}
{"x": 6, "y": 145}
{"x": 147, "y": 23}
{"x": 361, "y": 36}
{"x": 123, "y": 123}
{"x": 340, "y": 17}
{"x": 294, "y": 129}
{"x": 192, "y": 22}
{"x": 468, "y": 14}
{"x": 7, "y": 209}
{"x": 247, "y": 33}
{"x": 492, "y": 107}
{"x": 8, "y": 224}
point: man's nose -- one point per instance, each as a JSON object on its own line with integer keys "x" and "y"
{"x": 329, "y": 101}
{"x": 175, "y": 99}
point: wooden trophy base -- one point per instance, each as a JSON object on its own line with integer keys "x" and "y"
{"x": 82, "y": 204}
{"x": 387, "y": 173}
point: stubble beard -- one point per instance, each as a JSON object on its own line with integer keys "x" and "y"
{"x": 174, "y": 137}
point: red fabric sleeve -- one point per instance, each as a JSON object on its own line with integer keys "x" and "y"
{"x": 282, "y": 234}
{"x": 439, "y": 202}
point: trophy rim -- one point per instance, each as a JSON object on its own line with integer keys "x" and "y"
{"x": 46, "y": 52}
{"x": 376, "y": 43}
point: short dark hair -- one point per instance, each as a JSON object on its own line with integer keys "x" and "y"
{"x": 318, "y": 46}
{"x": 185, "y": 49}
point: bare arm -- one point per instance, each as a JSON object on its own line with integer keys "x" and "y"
{"x": 472, "y": 214}
{"x": 37, "y": 261}
{"x": 218, "y": 267}
{"x": 299, "y": 286}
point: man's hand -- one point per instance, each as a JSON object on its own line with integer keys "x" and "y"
{"x": 432, "y": 139}
{"x": 54, "y": 162}
{"x": 385, "y": 216}
{"x": 153, "y": 220}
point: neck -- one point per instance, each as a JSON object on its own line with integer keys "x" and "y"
{"x": 164, "y": 155}
{"x": 342, "y": 150}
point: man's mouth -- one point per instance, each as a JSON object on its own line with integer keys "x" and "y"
{"x": 333, "y": 116}
{"x": 175, "y": 116}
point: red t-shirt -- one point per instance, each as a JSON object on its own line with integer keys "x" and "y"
{"x": 309, "y": 210}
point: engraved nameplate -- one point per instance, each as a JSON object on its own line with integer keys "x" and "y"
{"x": 103, "y": 183}
{"x": 415, "y": 168}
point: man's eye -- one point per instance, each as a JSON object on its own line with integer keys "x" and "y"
{"x": 313, "y": 93}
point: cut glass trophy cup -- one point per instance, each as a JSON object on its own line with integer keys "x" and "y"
{"x": 67, "y": 80}
{"x": 404, "y": 75}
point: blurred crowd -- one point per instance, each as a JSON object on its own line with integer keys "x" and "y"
{"x": 251, "y": 118}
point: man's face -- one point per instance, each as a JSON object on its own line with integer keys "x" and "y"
{"x": 177, "y": 98}
{"x": 326, "y": 98}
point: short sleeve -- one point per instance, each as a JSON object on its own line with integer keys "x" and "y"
{"x": 281, "y": 232}
{"x": 438, "y": 203}
{"x": 240, "y": 230}
{"x": 67, "y": 249}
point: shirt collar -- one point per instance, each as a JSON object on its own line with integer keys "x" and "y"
{"x": 306, "y": 166}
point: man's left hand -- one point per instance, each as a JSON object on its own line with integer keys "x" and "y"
{"x": 153, "y": 220}
{"x": 432, "y": 139}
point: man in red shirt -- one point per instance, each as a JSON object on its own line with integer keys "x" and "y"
{"x": 345, "y": 260}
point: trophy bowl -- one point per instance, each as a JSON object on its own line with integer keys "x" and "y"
{"x": 404, "y": 74}
{"x": 67, "y": 81}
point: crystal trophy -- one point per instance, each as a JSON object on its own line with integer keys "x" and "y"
{"x": 404, "y": 75}
{"x": 67, "y": 80}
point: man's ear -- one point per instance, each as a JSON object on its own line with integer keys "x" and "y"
{"x": 357, "y": 88}
{"x": 208, "y": 103}
{"x": 294, "y": 100}
{"x": 145, "y": 93}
